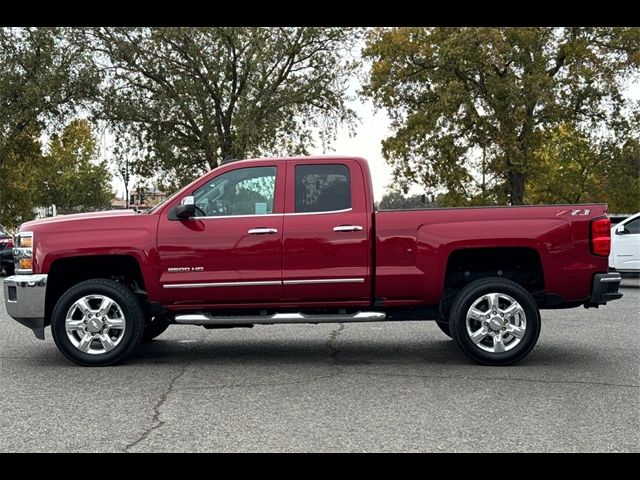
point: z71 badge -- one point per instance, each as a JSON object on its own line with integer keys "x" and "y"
{"x": 574, "y": 213}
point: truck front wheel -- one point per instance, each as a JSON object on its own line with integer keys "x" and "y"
{"x": 97, "y": 323}
{"x": 495, "y": 321}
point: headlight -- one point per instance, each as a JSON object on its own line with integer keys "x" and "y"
{"x": 23, "y": 252}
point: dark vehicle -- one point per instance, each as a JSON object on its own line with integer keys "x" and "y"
{"x": 617, "y": 218}
{"x": 6, "y": 249}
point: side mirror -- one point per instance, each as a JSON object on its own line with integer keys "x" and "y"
{"x": 620, "y": 230}
{"x": 186, "y": 209}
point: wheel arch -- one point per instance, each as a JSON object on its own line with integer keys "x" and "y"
{"x": 68, "y": 271}
{"x": 522, "y": 265}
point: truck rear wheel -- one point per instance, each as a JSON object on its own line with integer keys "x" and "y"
{"x": 495, "y": 321}
{"x": 97, "y": 323}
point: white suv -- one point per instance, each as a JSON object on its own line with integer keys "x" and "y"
{"x": 625, "y": 245}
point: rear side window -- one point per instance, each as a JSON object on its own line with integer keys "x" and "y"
{"x": 633, "y": 226}
{"x": 322, "y": 188}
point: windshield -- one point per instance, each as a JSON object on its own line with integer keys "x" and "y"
{"x": 3, "y": 231}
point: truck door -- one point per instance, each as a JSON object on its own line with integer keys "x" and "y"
{"x": 231, "y": 251}
{"x": 626, "y": 245}
{"x": 326, "y": 247}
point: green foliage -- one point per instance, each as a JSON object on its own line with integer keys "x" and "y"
{"x": 189, "y": 97}
{"x": 569, "y": 169}
{"x": 623, "y": 178}
{"x": 71, "y": 177}
{"x": 395, "y": 200}
{"x": 18, "y": 182}
{"x": 453, "y": 93}
{"x": 44, "y": 77}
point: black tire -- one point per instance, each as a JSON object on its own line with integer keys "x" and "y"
{"x": 465, "y": 299}
{"x": 444, "y": 327}
{"x": 131, "y": 309}
{"x": 154, "y": 328}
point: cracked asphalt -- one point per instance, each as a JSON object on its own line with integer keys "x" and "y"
{"x": 320, "y": 388}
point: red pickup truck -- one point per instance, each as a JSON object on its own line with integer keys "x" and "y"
{"x": 298, "y": 240}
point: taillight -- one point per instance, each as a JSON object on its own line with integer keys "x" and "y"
{"x": 601, "y": 237}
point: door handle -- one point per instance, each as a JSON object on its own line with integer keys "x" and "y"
{"x": 347, "y": 228}
{"x": 262, "y": 231}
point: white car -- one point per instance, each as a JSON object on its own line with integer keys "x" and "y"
{"x": 625, "y": 246}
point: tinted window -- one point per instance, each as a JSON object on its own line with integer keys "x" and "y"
{"x": 633, "y": 226}
{"x": 322, "y": 188}
{"x": 246, "y": 191}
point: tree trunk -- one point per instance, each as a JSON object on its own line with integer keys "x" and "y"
{"x": 516, "y": 188}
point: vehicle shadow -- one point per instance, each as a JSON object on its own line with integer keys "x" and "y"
{"x": 312, "y": 353}
{"x": 428, "y": 352}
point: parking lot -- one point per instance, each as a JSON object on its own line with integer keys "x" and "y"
{"x": 355, "y": 387}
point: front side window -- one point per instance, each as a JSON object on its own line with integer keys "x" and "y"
{"x": 322, "y": 188}
{"x": 245, "y": 191}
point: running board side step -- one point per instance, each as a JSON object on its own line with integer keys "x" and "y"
{"x": 200, "y": 319}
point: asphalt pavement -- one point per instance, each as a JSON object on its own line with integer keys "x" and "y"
{"x": 355, "y": 387}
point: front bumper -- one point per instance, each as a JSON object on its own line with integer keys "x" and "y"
{"x": 605, "y": 288}
{"x": 24, "y": 297}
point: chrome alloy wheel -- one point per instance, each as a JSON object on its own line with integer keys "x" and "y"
{"x": 95, "y": 324}
{"x": 496, "y": 322}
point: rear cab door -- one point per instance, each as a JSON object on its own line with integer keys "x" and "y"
{"x": 327, "y": 231}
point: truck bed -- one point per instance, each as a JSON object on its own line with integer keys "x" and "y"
{"x": 413, "y": 247}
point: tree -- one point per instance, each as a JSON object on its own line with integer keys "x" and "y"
{"x": 623, "y": 178}
{"x": 44, "y": 78}
{"x": 72, "y": 178}
{"x": 453, "y": 93}
{"x": 192, "y": 96}
{"x": 569, "y": 169}
{"x": 18, "y": 183}
{"x": 395, "y": 200}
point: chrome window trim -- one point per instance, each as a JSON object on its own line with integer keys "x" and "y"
{"x": 271, "y": 214}
{"x": 237, "y": 216}
{"x": 319, "y": 213}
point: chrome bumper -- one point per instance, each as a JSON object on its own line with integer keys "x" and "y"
{"x": 605, "y": 288}
{"x": 24, "y": 297}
